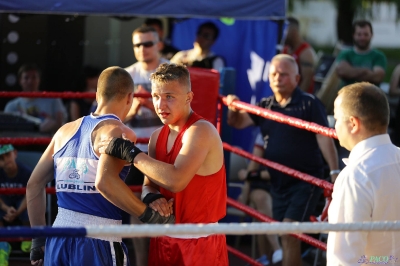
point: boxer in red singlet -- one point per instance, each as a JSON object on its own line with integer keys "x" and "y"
{"x": 184, "y": 170}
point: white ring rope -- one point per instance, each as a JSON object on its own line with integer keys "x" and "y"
{"x": 237, "y": 228}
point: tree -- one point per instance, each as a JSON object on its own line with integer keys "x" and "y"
{"x": 347, "y": 11}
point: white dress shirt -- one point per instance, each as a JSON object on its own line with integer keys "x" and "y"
{"x": 367, "y": 189}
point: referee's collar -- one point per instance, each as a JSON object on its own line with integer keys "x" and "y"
{"x": 294, "y": 98}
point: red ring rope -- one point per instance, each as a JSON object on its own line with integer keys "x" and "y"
{"x": 44, "y": 141}
{"x": 284, "y": 169}
{"x": 240, "y": 105}
{"x": 63, "y": 95}
{"x": 264, "y": 218}
{"x": 278, "y": 117}
{"x": 243, "y": 256}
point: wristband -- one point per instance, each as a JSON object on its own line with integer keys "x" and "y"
{"x": 334, "y": 172}
{"x": 122, "y": 149}
{"x": 254, "y": 175}
{"x": 150, "y": 197}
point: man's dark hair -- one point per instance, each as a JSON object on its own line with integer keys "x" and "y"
{"x": 87, "y": 72}
{"x": 209, "y": 25}
{"x": 28, "y": 67}
{"x": 154, "y": 21}
{"x": 293, "y": 21}
{"x": 145, "y": 29}
{"x": 362, "y": 24}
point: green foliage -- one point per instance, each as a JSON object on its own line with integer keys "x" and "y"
{"x": 363, "y": 7}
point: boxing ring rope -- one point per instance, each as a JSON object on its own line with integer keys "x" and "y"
{"x": 154, "y": 230}
{"x": 284, "y": 169}
{"x": 278, "y": 117}
{"x": 222, "y": 99}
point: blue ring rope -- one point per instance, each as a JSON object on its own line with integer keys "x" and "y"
{"x": 41, "y": 231}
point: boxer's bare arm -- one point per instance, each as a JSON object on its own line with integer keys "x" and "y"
{"x": 148, "y": 186}
{"x": 35, "y": 189}
{"x": 44, "y": 173}
{"x": 108, "y": 182}
{"x": 201, "y": 153}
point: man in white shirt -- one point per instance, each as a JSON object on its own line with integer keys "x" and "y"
{"x": 367, "y": 188}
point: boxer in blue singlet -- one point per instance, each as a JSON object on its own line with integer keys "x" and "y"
{"x": 90, "y": 188}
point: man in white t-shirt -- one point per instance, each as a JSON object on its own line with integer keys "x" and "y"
{"x": 142, "y": 117}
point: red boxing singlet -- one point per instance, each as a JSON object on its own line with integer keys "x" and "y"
{"x": 202, "y": 201}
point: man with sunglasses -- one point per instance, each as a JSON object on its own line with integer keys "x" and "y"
{"x": 201, "y": 54}
{"x": 142, "y": 117}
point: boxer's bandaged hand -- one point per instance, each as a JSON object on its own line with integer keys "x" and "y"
{"x": 151, "y": 216}
{"x": 122, "y": 149}
{"x": 150, "y": 197}
{"x": 254, "y": 175}
{"x": 36, "y": 248}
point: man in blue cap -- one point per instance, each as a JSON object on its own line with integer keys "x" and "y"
{"x": 12, "y": 207}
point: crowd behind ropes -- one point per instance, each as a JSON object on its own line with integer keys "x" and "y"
{"x": 182, "y": 169}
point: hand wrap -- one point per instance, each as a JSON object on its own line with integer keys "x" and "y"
{"x": 151, "y": 216}
{"x": 150, "y": 197}
{"x": 254, "y": 175}
{"x": 122, "y": 149}
{"x": 36, "y": 248}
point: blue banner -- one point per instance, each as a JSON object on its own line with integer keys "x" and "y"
{"x": 248, "y": 47}
{"x": 244, "y": 9}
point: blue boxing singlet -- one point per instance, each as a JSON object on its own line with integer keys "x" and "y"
{"x": 75, "y": 167}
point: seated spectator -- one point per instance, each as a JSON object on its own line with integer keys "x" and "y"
{"x": 167, "y": 50}
{"x": 362, "y": 62}
{"x": 257, "y": 192}
{"x": 201, "y": 54}
{"x": 51, "y": 111}
{"x": 304, "y": 54}
{"x": 87, "y": 82}
{"x": 12, "y": 207}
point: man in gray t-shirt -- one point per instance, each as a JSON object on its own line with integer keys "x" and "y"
{"x": 50, "y": 111}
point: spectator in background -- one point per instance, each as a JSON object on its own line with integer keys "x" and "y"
{"x": 367, "y": 189}
{"x": 304, "y": 54}
{"x": 13, "y": 174}
{"x": 302, "y": 150}
{"x": 201, "y": 54}
{"x": 257, "y": 192}
{"x": 361, "y": 63}
{"x": 142, "y": 117}
{"x": 51, "y": 111}
{"x": 167, "y": 50}
{"x": 87, "y": 82}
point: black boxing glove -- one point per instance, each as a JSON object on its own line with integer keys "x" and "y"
{"x": 150, "y": 197}
{"x": 36, "y": 248}
{"x": 122, "y": 149}
{"x": 254, "y": 175}
{"x": 151, "y": 216}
